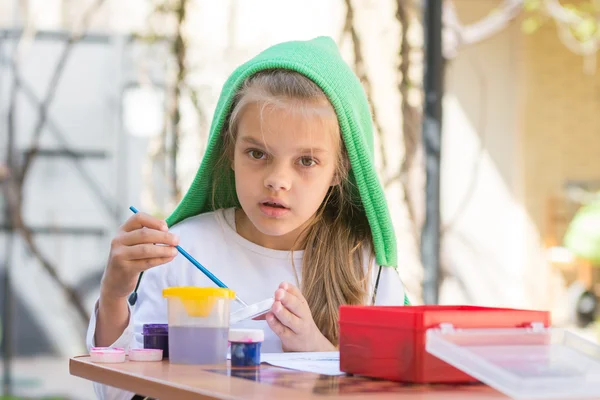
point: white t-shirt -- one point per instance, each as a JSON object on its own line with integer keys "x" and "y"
{"x": 252, "y": 271}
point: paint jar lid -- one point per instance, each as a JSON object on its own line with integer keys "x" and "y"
{"x": 246, "y": 335}
{"x": 155, "y": 329}
{"x": 107, "y": 354}
{"x": 197, "y": 293}
{"x": 145, "y": 354}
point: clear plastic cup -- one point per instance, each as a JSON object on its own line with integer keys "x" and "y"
{"x": 198, "y": 324}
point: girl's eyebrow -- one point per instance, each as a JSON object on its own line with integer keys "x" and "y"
{"x": 253, "y": 141}
{"x": 312, "y": 150}
{"x": 303, "y": 150}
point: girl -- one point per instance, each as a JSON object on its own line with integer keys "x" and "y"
{"x": 286, "y": 203}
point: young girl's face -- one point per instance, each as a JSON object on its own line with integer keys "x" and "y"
{"x": 284, "y": 163}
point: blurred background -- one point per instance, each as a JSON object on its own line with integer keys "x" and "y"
{"x": 107, "y": 103}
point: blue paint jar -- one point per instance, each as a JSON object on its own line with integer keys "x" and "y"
{"x": 156, "y": 336}
{"x": 245, "y": 347}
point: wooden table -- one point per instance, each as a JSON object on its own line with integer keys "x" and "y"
{"x": 171, "y": 381}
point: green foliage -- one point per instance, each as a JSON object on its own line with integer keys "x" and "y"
{"x": 587, "y": 29}
{"x": 531, "y": 24}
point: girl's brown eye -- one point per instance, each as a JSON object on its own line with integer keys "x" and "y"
{"x": 307, "y": 162}
{"x": 256, "y": 154}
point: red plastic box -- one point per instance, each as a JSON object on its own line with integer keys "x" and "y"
{"x": 389, "y": 342}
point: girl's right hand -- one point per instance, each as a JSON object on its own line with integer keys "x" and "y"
{"x": 143, "y": 242}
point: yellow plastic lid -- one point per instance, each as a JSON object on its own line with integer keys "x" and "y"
{"x": 197, "y": 293}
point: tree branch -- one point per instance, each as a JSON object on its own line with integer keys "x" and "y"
{"x": 195, "y": 98}
{"x": 58, "y": 71}
{"x": 14, "y": 184}
{"x": 12, "y": 196}
{"x": 30, "y": 95}
{"x": 410, "y": 116}
{"x": 179, "y": 51}
{"x": 566, "y": 19}
{"x": 561, "y": 14}
{"x": 459, "y": 35}
{"x": 347, "y": 26}
{"x": 361, "y": 72}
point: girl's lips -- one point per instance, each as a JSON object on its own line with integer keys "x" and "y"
{"x": 270, "y": 210}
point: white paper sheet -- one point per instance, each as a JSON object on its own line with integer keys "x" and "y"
{"x": 325, "y": 363}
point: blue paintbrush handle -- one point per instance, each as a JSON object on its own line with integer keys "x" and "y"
{"x": 206, "y": 272}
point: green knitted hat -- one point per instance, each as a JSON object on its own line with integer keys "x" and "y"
{"x": 320, "y": 61}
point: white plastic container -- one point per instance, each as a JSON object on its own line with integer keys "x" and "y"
{"x": 523, "y": 363}
{"x": 198, "y": 324}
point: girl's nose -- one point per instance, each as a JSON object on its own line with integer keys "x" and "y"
{"x": 278, "y": 179}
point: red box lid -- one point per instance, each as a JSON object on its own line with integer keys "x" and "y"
{"x": 421, "y": 318}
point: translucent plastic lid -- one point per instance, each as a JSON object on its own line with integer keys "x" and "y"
{"x": 252, "y": 311}
{"x": 523, "y": 363}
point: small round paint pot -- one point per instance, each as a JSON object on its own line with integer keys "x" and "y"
{"x": 245, "y": 347}
{"x": 156, "y": 336}
{"x": 107, "y": 354}
{"x": 145, "y": 354}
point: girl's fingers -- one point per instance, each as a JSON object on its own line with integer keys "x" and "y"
{"x": 286, "y": 318}
{"x": 148, "y": 235}
{"x": 143, "y": 265}
{"x": 277, "y": 327}
{"x": 291, "y": 302}
{"x": 148, "y": 251}
{"x": 141, "y": 220}
{"x": 288, "y": 287}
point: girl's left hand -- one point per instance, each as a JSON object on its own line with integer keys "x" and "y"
{"x": 290, "y": 318}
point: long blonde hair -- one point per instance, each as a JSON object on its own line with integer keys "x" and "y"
{"x": 337, "y": 243}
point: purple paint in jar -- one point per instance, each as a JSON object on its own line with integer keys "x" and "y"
{"x": 198, "y": 345}
{"x": 156, "y": 336}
